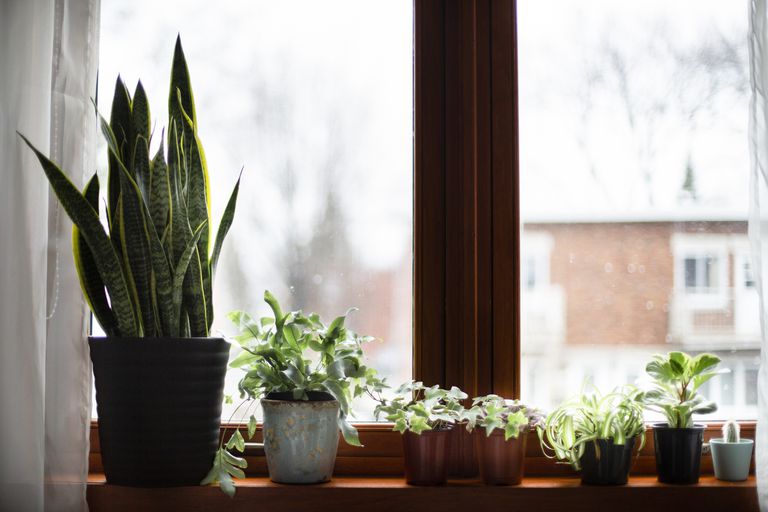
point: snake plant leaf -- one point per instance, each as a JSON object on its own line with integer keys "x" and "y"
{"x": 140, "y": 114}
{"x": 181, "y": 270}
{"x": 198, "y": 207}
{"x": 87, "y": 221}
{"x": 224, "y": 225}
{"x": 163, "y": 283}
{"x": 195, "y": 297}
{"x": 120, "y": 121}
{"x": 90, "y": 280}
{"x": 134, "y": 237}
{"x": 159, "y": 191}
{"x": 180, "y": 86}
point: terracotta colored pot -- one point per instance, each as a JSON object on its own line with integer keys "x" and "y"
{"x": 501, "y": 462}
{"x": 463, "y": 460}
{"x": 426, "y": 457}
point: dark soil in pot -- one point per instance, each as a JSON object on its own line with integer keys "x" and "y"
{"x": 678, "y": 453}
{"x": 159, "y": 406}
{"x": 426, "y": 457}
{"x": 314, "y": 396}
{"x": 606, "y": 463}
{"x": 501, "y": 462}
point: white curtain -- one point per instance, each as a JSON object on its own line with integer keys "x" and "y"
{"x": 48, "y": 65}
{"x": 758, "y": 220}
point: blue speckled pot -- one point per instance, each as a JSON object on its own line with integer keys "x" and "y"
{"x": 301, "y": 438}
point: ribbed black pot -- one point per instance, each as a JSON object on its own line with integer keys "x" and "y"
{"x": 678, "y": 453}
{"x": 606, "y": 463}
{"x": 159, "y": 405}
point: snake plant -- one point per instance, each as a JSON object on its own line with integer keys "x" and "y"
{"x": 150, "y": 273}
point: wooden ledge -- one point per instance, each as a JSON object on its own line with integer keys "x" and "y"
{"x": 392, "y": 494}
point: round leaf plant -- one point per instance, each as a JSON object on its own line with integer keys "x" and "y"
{"x": 296, "y": 353}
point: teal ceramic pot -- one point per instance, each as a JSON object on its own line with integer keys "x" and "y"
{"x": 731, "y": 460}
{"x": 300, "y": 438}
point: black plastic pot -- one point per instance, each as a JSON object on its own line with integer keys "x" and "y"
{"x": 678, "y": 453}
{"x": 159, "y": 405}
{"x": 606, "y": 463}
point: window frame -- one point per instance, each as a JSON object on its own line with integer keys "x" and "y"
{"x": 466, "y": 282}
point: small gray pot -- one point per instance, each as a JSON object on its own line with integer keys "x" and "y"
{"x": 301, "y": 438}
{"x": 731, "y": 460}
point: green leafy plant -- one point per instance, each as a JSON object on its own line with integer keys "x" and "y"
{"x": 677, "y": 379}
{"x": 417, "y": 408}
{"x": 731, "y": 432}
{"x": 151, "y": 273}
{"x": 493, "y": 412}
{"x": 296, "y": 353}
{"x": 616, "y": 416}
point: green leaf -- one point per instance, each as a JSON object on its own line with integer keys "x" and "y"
{"x": 349, "y": 432}
{"x": 278, "y": 312}
{"x": 251, "y": 426}
{"x": 90, "y": 280}
{"x": 87, "y": 221}
{"x": 159, "y": 191}
{"x": 181, "y": 87}
{"x": 182, "y": 266}
{"x": 224, "y": 225}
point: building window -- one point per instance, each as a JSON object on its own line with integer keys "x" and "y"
{"x": 701, "y": 273}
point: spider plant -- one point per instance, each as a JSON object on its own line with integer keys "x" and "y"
{"x": 589, "y": 417}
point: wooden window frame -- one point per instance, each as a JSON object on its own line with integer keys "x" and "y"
{"x": 466, "y": 231}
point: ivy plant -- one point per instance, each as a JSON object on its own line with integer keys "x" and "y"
{"x": 417, "y": 408}
{"x": 493, "y": 412}
{"x": 616, "y": 416}
{"x": 677, "y": 378}
{"x": 293, "y": 352}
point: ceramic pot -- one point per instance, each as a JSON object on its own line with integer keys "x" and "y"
{"x": 300, "y": 437}
{"x": 606, "y": 463}
{"x": 678, "y": 453}
{"x": 501, "y": 462}
{"x": 426, "y": 457}
{"x": 159, "y": 406}
{"x": 731, "y": 460}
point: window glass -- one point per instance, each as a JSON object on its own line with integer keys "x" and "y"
{"x": 315, "y": 101}
{"x": 634, "y": 167}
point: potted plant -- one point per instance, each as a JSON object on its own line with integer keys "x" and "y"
{"x": 731, "y": 455}
{"x": 677, "y": 379}
{"x": 499, "y": 427}
{"x": 306, "y": 374}
{"x": 148, "y": 280}
{"x": 425, "y": 416}
{"x": 596, "y": 434}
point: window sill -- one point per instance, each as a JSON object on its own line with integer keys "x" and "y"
{"x": 388, "y": 493}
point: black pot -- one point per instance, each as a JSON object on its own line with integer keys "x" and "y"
{"x": 606, "y": 463}
{"x": 159, "y": 404}
{"x": 678, "y": 453}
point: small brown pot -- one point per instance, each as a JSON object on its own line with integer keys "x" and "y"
{"x": 426, "y": 457}
{"x": 501, "y": 462}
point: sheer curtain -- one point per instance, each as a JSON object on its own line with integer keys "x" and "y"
{"x": 758, "y": 221}
{"x": 48, "y": 59}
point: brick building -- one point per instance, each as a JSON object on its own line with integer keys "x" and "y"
{"x": 600, "y": 295}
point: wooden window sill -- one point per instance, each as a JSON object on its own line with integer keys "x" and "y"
{"x": 388, "y": 493}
